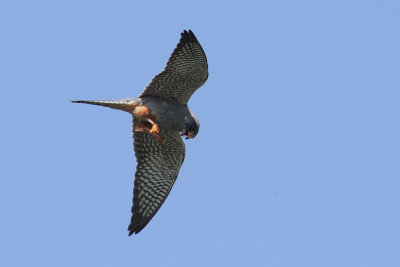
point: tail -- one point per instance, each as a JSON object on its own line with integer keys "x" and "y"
{"x": 126, "y": 104}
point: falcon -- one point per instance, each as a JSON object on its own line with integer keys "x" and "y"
{"x": 160, "y": 117}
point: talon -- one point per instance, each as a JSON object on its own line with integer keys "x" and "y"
{"x": 155, "y": 130}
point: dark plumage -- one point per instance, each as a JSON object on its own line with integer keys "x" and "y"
{"x": 160, "y": 116}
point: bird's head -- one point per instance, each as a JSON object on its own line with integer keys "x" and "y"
{"x": 191, "y": 126}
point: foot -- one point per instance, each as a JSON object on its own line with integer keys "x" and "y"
{"x": 155, "y": 130}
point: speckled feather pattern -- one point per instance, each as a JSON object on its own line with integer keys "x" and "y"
{"x": 186, "y": 71}
{"x": 158, "y": 165}
{"x": 161, "y": 112}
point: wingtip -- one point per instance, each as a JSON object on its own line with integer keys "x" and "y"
{"x": 130, "y": 229}
{"x": 184, "y": 33}
{"x": 134, "y": 229}
{"x": 131, "y": 233}
{"x": 188, "y": 35}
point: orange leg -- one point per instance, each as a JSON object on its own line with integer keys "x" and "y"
{"x": 155, "y": 130}
{"x": 142, "y": 112}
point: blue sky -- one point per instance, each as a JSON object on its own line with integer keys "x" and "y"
{"x": 296, "y": 162}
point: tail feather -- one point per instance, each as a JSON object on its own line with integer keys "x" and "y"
{"x": 126, "y": 104}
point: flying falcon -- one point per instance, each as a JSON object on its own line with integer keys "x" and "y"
{"x": 160, "y": 117}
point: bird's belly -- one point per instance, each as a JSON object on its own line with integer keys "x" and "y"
{"x": 167, "y": 114}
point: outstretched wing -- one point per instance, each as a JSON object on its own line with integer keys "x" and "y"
{"x": 157, "y": 168}
{"x": 186, "y": 71}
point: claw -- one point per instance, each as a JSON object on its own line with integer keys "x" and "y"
{"x": 155, "y": 130}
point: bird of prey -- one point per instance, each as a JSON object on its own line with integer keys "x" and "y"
{"x": 160, "y": 117}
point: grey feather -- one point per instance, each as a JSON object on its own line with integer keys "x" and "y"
{"x": 186, "y": 71}
{"x": 158, "y": 165}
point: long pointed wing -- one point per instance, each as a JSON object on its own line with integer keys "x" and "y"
{"x": 186, "y": 71}
{"x": 157, "y": 168}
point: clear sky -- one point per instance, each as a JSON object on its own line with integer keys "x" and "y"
{"x": 297, "y": 161}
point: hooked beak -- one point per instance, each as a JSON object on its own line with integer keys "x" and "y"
{"x": 188, "y": 134}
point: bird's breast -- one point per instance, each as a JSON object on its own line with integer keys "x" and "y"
{"x": 167, "y": 114}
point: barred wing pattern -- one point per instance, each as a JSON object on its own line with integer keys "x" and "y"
{"x": 157, "y": 168}
{"x": 186, "y": 71}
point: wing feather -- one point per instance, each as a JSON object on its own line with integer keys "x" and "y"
{"x": 158, "y": 165}
{"x": 185, "y": 72}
